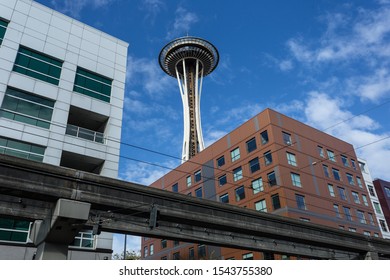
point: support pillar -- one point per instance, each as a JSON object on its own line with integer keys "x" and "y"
{"x": 53, "y": 235}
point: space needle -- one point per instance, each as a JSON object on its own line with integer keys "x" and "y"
{"x": 189, "y": 59}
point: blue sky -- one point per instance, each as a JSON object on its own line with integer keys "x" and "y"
{"x": 325, "y": 63}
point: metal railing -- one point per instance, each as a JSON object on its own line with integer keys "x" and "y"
{"x": 84, "y": 133}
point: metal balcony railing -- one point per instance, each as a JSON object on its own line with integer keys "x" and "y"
{"x": 84, "y": 133}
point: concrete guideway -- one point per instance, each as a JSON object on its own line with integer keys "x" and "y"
{"x": 35, "y": 191}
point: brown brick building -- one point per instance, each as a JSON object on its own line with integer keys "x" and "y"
{"x": 275, "y": 164}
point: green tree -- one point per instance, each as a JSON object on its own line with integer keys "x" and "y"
{"x": 133, "y": 255}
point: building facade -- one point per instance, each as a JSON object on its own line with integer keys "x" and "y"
{"x": 274, "y": 164}
{"x": 374, "y": 197}
{"x": 61, "y": 96}
{"x": 382, "y": 189}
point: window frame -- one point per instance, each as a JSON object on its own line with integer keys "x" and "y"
{"x": 240, "y": 193}
{"x": 43, "y": 68}
{"x": 291, "y": 159}
{"x": 237, "y": 174}
{"x": 254, "y": 165}
{"x": 251, "y": 145}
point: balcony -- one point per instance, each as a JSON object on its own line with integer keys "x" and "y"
{"x": 84, "y": 133}
{"x": 87, "y": 125}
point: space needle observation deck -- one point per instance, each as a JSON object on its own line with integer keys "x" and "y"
{"x": 189, "y": 59}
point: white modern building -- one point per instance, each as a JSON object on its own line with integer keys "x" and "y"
{"x": 61, "y": 99}
{"x": 374, "y": 199}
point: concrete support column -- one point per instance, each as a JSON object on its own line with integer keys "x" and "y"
{"x": 53, "y": 235}
{"x": 371, "y": 256}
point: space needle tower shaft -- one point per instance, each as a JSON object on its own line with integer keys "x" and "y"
{"x": 189, "y": 59}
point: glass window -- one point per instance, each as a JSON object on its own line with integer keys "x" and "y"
{"x": 224, "y": 198}
{"x": 320, "y": 151}
{"x": 377, "y": 208}
{"x": 21, "y": 149}
{"x": 235, "y": 154}
{"x": 189, "y": 182}
{"x": 383, "y": 225}
{"x": 198, "y": 176}
{"x": 361, "y": 217}
{"x": 300, "y": 199}
{"x": 331, "y": 155}
{"x": 331, "y": 190}
{"x": 175, "y": 187}
{"x": 275, "y": 201}
{"x": 199, "y": 192}
{"x": 257, "y": 185}
{"x": 27, "y": 108}
{"x": 251, "y": 145}
{"x": 342, "y": 193}
{"x": 264, "y": 137}
{"x": 191, "y": 253}
{"x": 367, "y": 233}
{"x": 222, "y": 180}
{"x": 248, "y": 256}
{"x": 336, "y": 174}
{"x": 347, "y": 213}
{"x": 146, "y": 249}
{"x": 240, "y": 193}
{"x": 163, "y": 243}
{"x": 365, "y": 201}
{"x": 3, "y": 28}
{"x": 353, "y": 164}
{"x": 356, "y": 198}
{"x": 267, "y": 158}
{"x": 371, "y": 219}
{"x": 291, "y": 159}
{"x": 237, "y": 174}
{"x": 254, "y": 165}
{"x": 271, "y": 179}
{"x": 336, "y": 210}
{"x": 352, "y": 229}
{"x": 326, "y": 171}
{"x": 221, "y": 161}
{"x": 286, "y": 138}
{"x": 371, "y": 190}
{"x": 296, "y": 180}
{"x": 14, "y": 231}
{"x": 38, "y": 65}
{"x": 351, "y": 181}
{"x": 92, "y": 84}
{"x": 344, "y": 159}
{"x": 151, "y": 249}
{"x": 362, "y": 167}
{"x": 201, "y": 251}
{"x": 387, "y": 191}
{"x": 261, "y": 206}
{"x": 359, "y": 182}
{"x": 176, "y": 256}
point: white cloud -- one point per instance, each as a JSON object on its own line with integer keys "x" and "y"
{"x": 147, "y": 73}
{"x": 182, "y": 24}
{"x": 239, "y": 114}
{"x": 152, "y": 8}
{"x": 213, "y": 135}
{"x": 347, "y": 39}
{"x": 286, "y": 65}
{"x": 74, "y": 7}
{"x": 144, "y": 173}
{"x": 323, "y": 112}
{"x": 375, "y": 87}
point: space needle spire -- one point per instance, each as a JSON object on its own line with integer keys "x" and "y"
{"x": 189, "y": 59}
